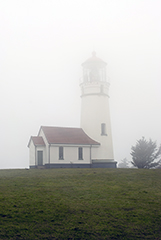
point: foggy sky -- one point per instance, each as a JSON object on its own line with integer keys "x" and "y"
{"x": 42, "y": 46}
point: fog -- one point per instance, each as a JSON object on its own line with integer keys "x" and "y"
{"x": 42, "y": 46}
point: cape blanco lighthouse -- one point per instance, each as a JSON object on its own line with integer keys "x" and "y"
{"x": 89, "y": 146}
{"x": 95, "y": 113}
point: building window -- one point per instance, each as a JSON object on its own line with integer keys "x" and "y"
{"x": 61, "y": 153}
{"x": 80, "y": 153}
{"x": 103, "y": 129}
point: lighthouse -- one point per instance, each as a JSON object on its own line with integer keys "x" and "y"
{"x": 95, "y": 112}
{"x": 90, "y": 145}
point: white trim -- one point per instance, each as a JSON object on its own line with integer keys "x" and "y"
{"x": 72, "y": 145}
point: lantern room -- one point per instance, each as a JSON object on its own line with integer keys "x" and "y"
{"x": 94, "y": 69}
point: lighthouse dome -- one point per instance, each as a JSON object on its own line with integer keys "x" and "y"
{"x": 94, "y": 61}
{"x": 94, "y": 69}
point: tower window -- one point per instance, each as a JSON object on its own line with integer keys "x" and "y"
{"x": 80, "y": 153}
{"x": 61, "y": 153}
{"x": 103, "y": 129}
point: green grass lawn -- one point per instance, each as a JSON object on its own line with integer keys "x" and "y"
{"x": 80, "y": 204}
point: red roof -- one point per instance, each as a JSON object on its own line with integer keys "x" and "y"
{"x": 63, "y": 135}
{"x": 94, "y": 60}
{"x": 38, "y": 141}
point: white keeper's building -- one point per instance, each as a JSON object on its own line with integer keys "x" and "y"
{"x": 87, "y": 146}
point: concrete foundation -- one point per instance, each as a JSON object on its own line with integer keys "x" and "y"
{"x": 98, "y": 164}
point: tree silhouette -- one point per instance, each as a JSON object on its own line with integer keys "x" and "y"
{"x": 145, "y": 154}
{"x": 124, "y": 163}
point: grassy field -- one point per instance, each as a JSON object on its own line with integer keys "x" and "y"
{"x": 80, "y": 204}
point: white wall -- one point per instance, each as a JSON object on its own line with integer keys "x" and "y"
{"x": 31, "y": 154}
{"x": 41, "y": 148}
{"x": 70, "y": 154}
{"x": 46, "y": 149}
{"x": 94, "y": 111}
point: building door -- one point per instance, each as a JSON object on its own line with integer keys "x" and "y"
{"x": 40, "y": 158}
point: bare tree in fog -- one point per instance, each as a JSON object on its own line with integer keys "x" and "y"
{"x": 124, "y": 163}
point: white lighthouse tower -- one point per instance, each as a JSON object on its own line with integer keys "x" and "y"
{"x": 95, "y": 113}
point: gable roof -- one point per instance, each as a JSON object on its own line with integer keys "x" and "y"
{"x": 64, "y": 135}
{"x": 38, "y": 141}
